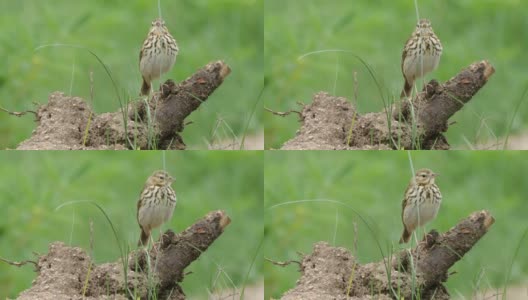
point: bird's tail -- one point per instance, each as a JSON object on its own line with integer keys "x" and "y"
{"x": 406, "y": 235}
{"x": 406, "y": 92}
{"x": 145, "y": 88}
{"x": 143, "y": 240}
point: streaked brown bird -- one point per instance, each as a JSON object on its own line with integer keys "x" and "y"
{"x": 420, "y": 56}
{"x": 156, "y": 204}
{"x": 157, "y": 55}
{"x": 421, "y": 202}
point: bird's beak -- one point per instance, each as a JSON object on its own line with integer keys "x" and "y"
{"x": 435, "y": 175}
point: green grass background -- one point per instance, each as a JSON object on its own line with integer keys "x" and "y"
{"x": 376, "y": 31}
{"x": 34, "y": 184}
{"x": 373, "y": 183}
{"x": 206, "y": 30}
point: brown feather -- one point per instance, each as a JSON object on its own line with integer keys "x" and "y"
{"x": 406, "y": 91}
{"x": 143, "y": 240}
{"x": 145, "y": 88}
{"x": 407, "y": 87}
{"x": 405, "y": 236}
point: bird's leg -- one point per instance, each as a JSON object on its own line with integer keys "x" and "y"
{"x": 160, "y": 238}
{"x": 425, "y": 234}
{"x": 424, "y": 84}
{"x": 415, "y": 237}
{"x": 151, "y": 241}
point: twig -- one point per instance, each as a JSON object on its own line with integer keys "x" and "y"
{"x": 19, "y": 263}
{"x": 283, "y": 263}
{"x": 284, "y": 114}
{"x": 16, "y": 113}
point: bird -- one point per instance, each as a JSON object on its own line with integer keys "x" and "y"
{"x": 157, "y": 55}
{"x": 421, "y": 202}
{"x": 156, "y": 204}
{"x": 420, "y": 56}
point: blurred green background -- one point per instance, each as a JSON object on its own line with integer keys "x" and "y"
{"x": 376, "y": 31}
{"x": 373, "y": 183}
{"x": 206, "y": 30}
{"x": 34, "y": 184}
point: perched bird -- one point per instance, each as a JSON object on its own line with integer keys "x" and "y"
{"x": 421, "y": 55}
{"x": 157, "y": 55}
{"x": 421, "y": 202}
{"x": 156, "y": 204}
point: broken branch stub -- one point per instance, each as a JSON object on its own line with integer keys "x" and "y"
{"x": 174, "y": 252}
{"x": 437, "y": 103}
{"x": 450, "y": 247}
{"x": 174, "y": 102}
